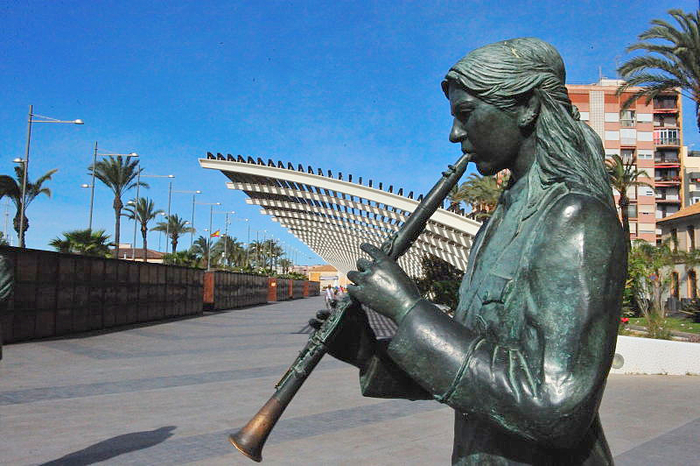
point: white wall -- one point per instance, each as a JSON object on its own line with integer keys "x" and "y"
{"x": 649, "y": 356}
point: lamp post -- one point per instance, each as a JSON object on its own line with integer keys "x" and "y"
{"x": 160, "y": 233}
{"x": 211, "y": 215}
{"x": 194, "y": 194}
{"x": 170, "y": 188}
{"x": 7, "y": 217}
{"x": 226, "y": 223}
{"x": 134, "y": 203}
{"x": 258, "y": 244}
{"x": 95, "y": 154}
{"x": 33, "y": 118}
{"x": 247, "y": 250}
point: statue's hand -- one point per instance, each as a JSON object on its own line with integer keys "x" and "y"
{"x": 354, "y": 340}
{"x": 382, "y": 285}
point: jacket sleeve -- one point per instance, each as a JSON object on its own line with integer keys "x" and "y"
{"x": 381, "y": 377}
{"x": 544, "y": 384}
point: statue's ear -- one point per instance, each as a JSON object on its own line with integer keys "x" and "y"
{"x": 529, "y": 110}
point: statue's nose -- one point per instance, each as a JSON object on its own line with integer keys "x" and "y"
{"x": 457, "y": 134}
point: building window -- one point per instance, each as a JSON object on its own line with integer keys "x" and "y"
{"x": 691, "y": 238}
{"x": 674, "y": 284}
{"x": 667, "y": 137}
{"x": 627, "y": 118}
{"x": 632, "y": 211}
{"x": 627, "y": 155}
{"x": 665, "y": 102}
{"x": 666, "y": 156}
{"x": 692, "y": 284}
{"x": 665, "y": 120}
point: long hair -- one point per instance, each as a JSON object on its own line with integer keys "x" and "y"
{"x": 504, "y": 74}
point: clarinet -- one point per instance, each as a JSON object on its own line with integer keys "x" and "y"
{"x": 251, "y": 438}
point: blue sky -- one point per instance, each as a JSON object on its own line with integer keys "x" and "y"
{"x": 348, "y": 85}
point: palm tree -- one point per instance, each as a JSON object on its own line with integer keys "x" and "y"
{"x": 624, "y": 175}
{"x": 119, "y": 174}
{"x": 482, "y": 193}
{"x": 85, "y": 242}
{"x": 12, "y": 187}
{"x": 454, "y": 199}
{"x": 200, "y": 249}
{"x": 285, "y": 265}
{"x": 230, "y": 249}
{"x": 272, "y": 250}
{"x": 184, "y": 258}
{"x": 143, "y": 211}
{"x": 671, "y": 65}
{"x": 174, "y": 227}
{"x": 258, "y": 251}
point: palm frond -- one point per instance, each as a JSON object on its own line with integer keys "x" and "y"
{"x": 675, "y": 51}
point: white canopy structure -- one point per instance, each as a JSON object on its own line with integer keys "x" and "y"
{"x": 333, "y": 216}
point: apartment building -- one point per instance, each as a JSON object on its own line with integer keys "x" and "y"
{"x": 690, "y": 176}
{"x": 683, "y": 229}
{"x": 652, "y": 134}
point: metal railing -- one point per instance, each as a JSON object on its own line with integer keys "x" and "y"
{"x": 667, "y": 141}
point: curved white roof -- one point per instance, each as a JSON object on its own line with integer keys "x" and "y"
{"x": 333, "y": 216}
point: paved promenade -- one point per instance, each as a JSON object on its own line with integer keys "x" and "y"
{"x": 171, "y": 393}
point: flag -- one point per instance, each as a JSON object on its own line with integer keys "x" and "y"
{"x": 216, "y": 234}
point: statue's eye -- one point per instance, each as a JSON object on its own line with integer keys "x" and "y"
{"x": 463, "y": 114}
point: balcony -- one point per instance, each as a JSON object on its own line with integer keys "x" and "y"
{"x": 673, "y": 123}
{"x": 667, "y": 163}
{"x": 665, "y": 104}
{"x": 667, "y": 141}
{"x": 667, "y": 180}
{"x": 663, "y": 200}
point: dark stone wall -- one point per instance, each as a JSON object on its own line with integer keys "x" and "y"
{"x": 58, "y": 294}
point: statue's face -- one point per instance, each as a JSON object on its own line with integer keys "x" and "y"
{"x": 492, "y": 135}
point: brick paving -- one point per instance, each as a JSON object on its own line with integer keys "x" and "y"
{"x": 171, "y": 393}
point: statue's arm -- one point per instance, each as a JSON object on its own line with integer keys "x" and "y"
{"x": 547, "y": 386}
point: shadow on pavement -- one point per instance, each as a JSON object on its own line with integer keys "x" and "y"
{"x": 114, "y": 446}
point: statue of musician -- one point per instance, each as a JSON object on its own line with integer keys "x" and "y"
{"x": 524, "y": 361}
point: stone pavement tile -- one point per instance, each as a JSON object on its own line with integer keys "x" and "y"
{"x": 420, "y": 438}
{"x": 639, "y": 408}
{"x": 676, "y": 448}
{"x": 171, "y": 393}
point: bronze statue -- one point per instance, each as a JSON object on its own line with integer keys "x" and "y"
{"x": 524, "y": 361}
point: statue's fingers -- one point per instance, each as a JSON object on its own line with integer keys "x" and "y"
{"x": 355, "y": 276}
{"x": 376, "y": 253}
{"x": 323, "y": 314}
{"x": 315, "y": 324}
{"x": 356, "y": 292}
{"x": 363, "y": 264}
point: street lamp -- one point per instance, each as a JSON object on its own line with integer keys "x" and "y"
{"x": 32, "y": 118}
{"x": 170, "y": 189}
{"x": 133, "y": 243}
{"x": 226, "y": 223}
{"x": 194, "y": 193}
{"x": 247, "y": 250}
{"x": 92, "y": 186}
{"x": 211, "y": 214}
{"x": 257, "y": 243}
{"x": 160, "y": 233}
